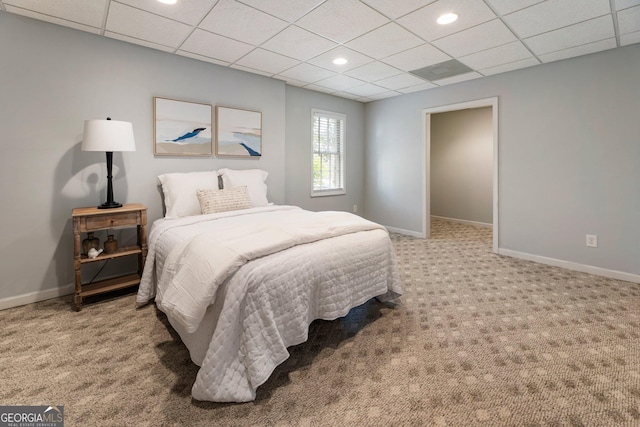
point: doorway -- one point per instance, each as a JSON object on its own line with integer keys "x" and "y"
{"x": 488, "y": 102}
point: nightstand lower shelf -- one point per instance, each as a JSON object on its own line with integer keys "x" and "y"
{"x": 109, "y": 285}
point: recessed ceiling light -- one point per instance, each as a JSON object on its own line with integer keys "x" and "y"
{"x": 340, "y": 61}
{"x": 447, "y": 18}
{"x": 168, "y": 1}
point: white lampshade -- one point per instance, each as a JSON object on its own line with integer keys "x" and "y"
{"x": 108, "y": 135}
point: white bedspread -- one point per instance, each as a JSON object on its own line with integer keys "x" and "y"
{"x": 237, "y": 317}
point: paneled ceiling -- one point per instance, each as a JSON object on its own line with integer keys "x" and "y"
{"x": 382, "y": 40}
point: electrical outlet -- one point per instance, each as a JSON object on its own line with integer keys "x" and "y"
{"x": 355, "y": 208}
{"x": 592, "y": 241}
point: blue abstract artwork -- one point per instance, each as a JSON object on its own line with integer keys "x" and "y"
{"x": 239, "y": 132}
{"x": 182, "y": 128}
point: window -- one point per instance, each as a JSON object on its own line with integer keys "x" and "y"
{"x": 328, "y": 141}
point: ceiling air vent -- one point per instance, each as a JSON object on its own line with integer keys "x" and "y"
{"x": 442, "y": 70}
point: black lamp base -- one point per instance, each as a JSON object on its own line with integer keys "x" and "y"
{"x": 110, "y": 205}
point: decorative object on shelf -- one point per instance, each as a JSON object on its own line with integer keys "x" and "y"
{"x": 89, "y": 243}
{"x": 182, "y": 128}
{"x": 110, "y": 245}
{"x": 109, "y": 136}
{"x": 93, "y": 253}
{"x": 239, "y": 133}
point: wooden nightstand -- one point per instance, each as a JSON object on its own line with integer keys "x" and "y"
{"x": 93, "y": 219}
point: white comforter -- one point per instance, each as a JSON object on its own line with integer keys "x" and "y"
{"x": 238, "y": 317}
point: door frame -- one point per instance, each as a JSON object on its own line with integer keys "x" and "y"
{"x": 426, "y": 166}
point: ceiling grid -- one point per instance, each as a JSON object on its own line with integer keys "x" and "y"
{"x": 382, "y": 40}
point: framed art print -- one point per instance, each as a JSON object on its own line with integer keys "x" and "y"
{"x": 239, "y": 133}
{"x": 182, "y": 128}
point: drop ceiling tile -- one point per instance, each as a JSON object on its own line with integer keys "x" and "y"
{"x": 417, "y": 57}
{"x": 630, "y": 38}
{"x": 83, "y": 12}
{"x": 53, "y": 20}
{"x": 138, "y": 42}
{"x": 347, "y": 95}
{"x": 423, "y": 21}
{"x": 394, "y": 8}
{"x": 458, "y": 79}
{"x": 573, "y": 35}
{"x": 189, "y": 12}
{"x": 298, "y": 43}
{"x": 132, "y": 22}
{"x": 320, "y": 88}
{"x": 251, "y": 70}
{"x": 629, "y": 20}
{"x": 287, "y": 10}
{"x": 367, "y": 89}
{"x": 400, "y": 81}
{"x": 528, "y": 62}
{"x": 373, "y": 71}
{"x": 385, "y": 41}
{"x": 307, "y": 73}
{"x": 623, "y": 4}
{"x": 579, "y": 50}
{"x": 355, "y": 59}
{"x": 553, "y": 14}
{"x": 504, "y": 7}
{"x": 509, "y": 52}
{"x": 267, "y": 61}
{"x": 417, "y": 88}
{"x": 484, "y": 36}
{"x": 240, "y": 22}
{"x": 214, "y": 46}
{"x": 384, "y": 95}
{"x": 202, "y": 58}
{"x": 342, "y": 20}
{"x": 339, "y": 82}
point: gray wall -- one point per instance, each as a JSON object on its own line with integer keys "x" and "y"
{"x": 569, "y": 157}
{"x": 568, "y": 132}
{"x": 298, "y": 150}
{"x": 461, "y": 163}
{"x": 52, "y": 78}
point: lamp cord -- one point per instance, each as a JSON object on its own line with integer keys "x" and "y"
{"x": 106, "y": 261}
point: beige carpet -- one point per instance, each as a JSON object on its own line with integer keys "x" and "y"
{"x": 480, "y": 340}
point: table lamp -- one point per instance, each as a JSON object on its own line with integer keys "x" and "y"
{"x": 109, "y": 136}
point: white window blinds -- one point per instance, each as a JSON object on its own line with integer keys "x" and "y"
{"x": 328, "y": 142}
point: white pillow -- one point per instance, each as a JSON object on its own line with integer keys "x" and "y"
{"x": 232, "y": 199}
{"x": 254, "y": 179}
{"x": 179, "y": 190}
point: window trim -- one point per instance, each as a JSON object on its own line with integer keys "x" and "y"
{"x": 343, "y": 156}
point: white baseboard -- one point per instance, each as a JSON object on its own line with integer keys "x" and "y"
{"x": 405, "y": 232}
{"x": 583, "y": 268}
{"x": 38, "y": 296}
{"x": 464, "y": 221}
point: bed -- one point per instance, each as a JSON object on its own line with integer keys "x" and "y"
{"x": 241, "y": 285}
